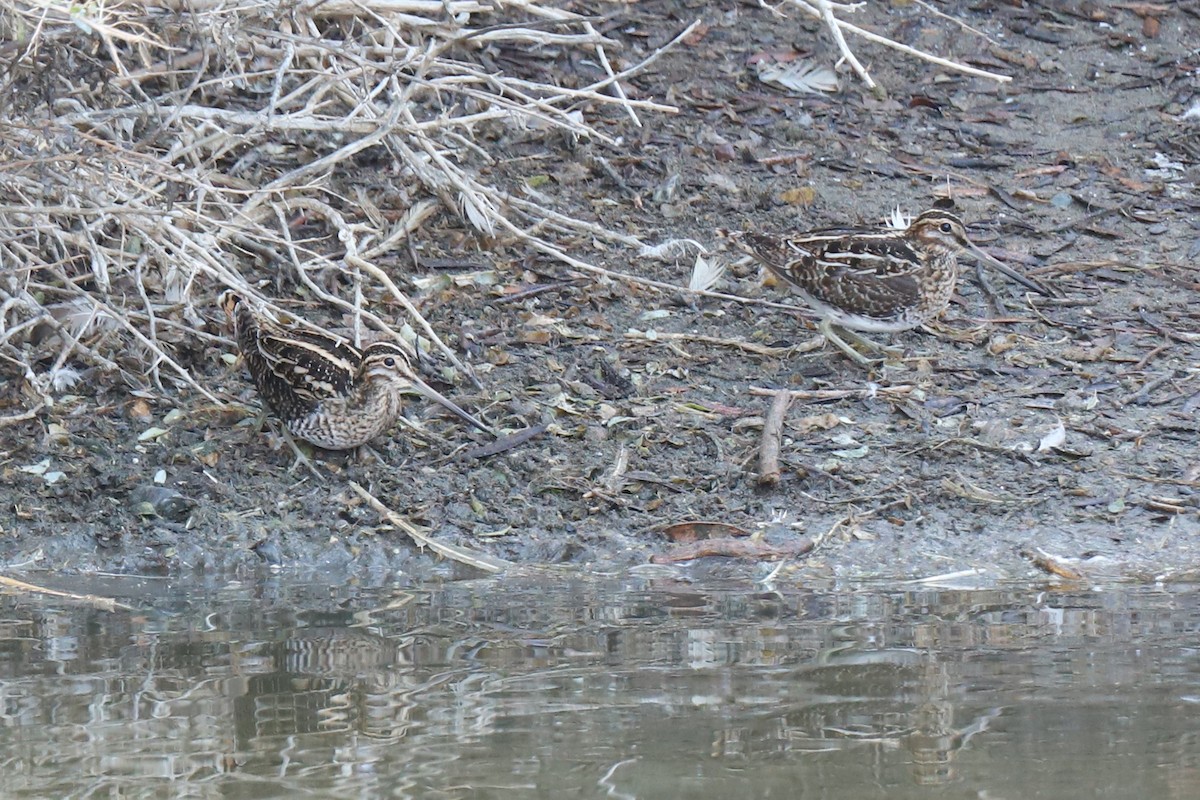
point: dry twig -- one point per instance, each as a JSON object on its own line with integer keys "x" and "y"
{"x": 772, "y": 437}
{"x": 422, "y": 539}
{"x": 821, "y": 395}
{"x": 147, "y": 189}
{"x": 824, "y": 11}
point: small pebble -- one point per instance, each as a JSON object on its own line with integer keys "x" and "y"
{"x": 166, "y": 503}
{"x": 1061, "y": 200}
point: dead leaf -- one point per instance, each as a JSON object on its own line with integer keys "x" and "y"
{"x": 497, "y": 356}
{"x": 541, "y": 320}
{"x": 954, "y": 192}
{"x": 1053, "y": 439}
{"x": 800, "y": 196}
{"x": 969, "y": 491}
{"x": 817, "y": 422}
{"x": 1055, "y": 169}
{"x": 1055, "y": 565}
{"x": 1134, "y": 185}
{"x": 684, "y": 532}
{"x": 697, "y": 35}
{"x": 140, "y": 410}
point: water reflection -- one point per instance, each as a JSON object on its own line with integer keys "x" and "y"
{"x": 496, "y": 689}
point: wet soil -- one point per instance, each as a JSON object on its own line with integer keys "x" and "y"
{"x": 1068, "y": 424}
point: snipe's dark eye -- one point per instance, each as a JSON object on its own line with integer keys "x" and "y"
{"x": 389, "y": 362}
{"x": 946, "y": 227}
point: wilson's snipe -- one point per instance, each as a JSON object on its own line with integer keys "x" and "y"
{"x": 873, "y": 279}
{"x": 324, "y": 389}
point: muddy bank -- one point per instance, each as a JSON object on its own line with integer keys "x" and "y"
{"x": 1069, "y": 425}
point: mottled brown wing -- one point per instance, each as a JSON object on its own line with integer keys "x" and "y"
{"x": 294, "y": 370}
{"x": 863, "y": 273}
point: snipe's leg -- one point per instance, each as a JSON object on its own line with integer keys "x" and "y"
{"x": 830, "y": 332}
{"x": 300, "y": 457}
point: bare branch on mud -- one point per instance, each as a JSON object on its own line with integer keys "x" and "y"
{"x": 749, "y": 347}
{"x": 823, "y": 10}
{"x": 819, "y": 395}
{"x": 422, "y": 539}
{"x": 23, "y": 416}
{"x": 769, "y": 473}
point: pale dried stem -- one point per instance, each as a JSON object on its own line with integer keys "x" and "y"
{"x": 540, "y": 244}
{"x": 422, "y": 539}
{"x": 820, "y": 395}
{"x": 145, "y": 194}
{"x": 617, "y": 88}
{"x": 823, "y": 10}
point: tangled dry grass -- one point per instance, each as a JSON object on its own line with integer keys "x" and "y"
{"x": 152, "y": 156}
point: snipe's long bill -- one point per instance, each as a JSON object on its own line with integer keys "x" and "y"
{"x": 325, "y": 390}
{"x": 874, "y": 279}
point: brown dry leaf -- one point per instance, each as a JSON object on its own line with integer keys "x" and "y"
{"x": 800, "y": 196}
{"x": 1097, "y": 352}
{"x": 535, "y": 337}
{"x": 1055, "y": 565}
{"x": 969, "y": 491}
{"x": 770, "y": 280}
{"x": 817, "y": 422}
{"x": 541, "y": 321}
{"x": 1134, "y": 185}
{"x": 139, "y": 410}
{"x": 597, "y": 321}
{"x": 1053, "y": 169}
{"x": 695, "y": 37}
{"x": 998, "y": 345}
{"x": 1018, "y": 59}
{"x": 954, "y": 192}
{"x": 724, "y": 152}
{"x": 684, "y": 532}
{"x": 498, "y": 357}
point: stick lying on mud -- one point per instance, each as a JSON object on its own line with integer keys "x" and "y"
{"x": 772, "y": 436}
{"x": 506, "y": 443}
{"x": 818, "y": 395}
{"x": 823, "y": 10}
{"x": 460, "y": 554}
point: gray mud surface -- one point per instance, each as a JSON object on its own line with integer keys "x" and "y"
{"x": 1067, "y": 424}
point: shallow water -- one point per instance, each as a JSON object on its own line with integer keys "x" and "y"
{"x": 500, "y": 689}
